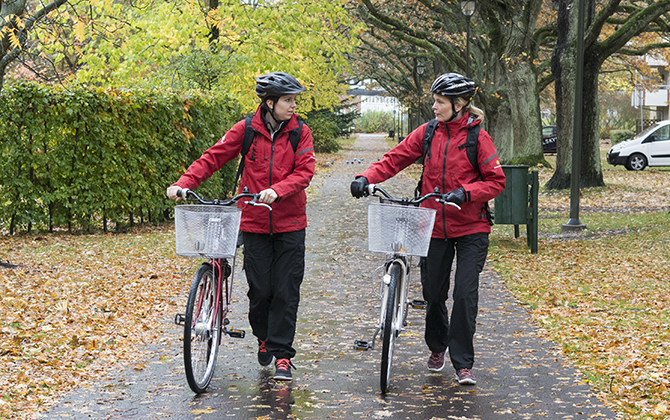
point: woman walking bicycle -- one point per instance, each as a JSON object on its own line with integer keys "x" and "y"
{"x": 274, "y": 242}
{"x": 470, "y": 180}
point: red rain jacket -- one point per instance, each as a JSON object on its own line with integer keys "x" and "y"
{"x": 449, "y": 168}
{"x": 268, "y": 164}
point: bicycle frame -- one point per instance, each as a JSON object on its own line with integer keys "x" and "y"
{"x": 394, "y": 286}
{"x": 223, "y": 289}
{"x": 209, "y": 299}
{"x": 403, "y": 288}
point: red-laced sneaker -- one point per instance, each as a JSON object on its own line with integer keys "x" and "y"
{"x": 264, "y": 357}
{"x": 283, "y": 370}
{"x": 465, "y": 377}
{"x": 436, "y": 361}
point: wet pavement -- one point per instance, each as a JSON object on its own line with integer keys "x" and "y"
{"x": 520, "y": 374}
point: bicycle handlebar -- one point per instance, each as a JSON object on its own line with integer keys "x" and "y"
{"x": 374, "y": 188}
{"x": 185, "y": 193}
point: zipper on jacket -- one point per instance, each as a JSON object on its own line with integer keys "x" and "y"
{"x": 272, "y": 154}
{"x": 444, "y": 169}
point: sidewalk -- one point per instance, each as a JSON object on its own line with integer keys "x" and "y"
{"x": 520, "y": 375}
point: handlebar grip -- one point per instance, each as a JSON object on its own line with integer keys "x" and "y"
{"x": 183, "y": 192}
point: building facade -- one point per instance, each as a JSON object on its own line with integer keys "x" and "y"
{"x": 653, "y": 104}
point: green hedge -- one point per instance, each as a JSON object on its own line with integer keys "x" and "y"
{"x": 374, "y": 122}
{"x": 81, "y": 158}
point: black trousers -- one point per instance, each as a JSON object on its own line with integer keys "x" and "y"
{"x": 457, "y": 335}
{"x": 274, "y": 266}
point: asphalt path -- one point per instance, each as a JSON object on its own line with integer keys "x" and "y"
{"x": 520, "y": 374}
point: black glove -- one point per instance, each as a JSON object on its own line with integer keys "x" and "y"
{"x": 359, "y": 187}
{"x": 455, "y": 196}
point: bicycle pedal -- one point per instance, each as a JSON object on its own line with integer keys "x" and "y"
{"x": 362, "y": 345}
{"x": 180, "y": 319}
{"x": 236, "y": 333}
{"x": 419, "y": 304}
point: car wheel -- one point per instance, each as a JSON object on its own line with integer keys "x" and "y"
{"x": 636, "y": 162}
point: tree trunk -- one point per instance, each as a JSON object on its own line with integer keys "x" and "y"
{"x": 590, "y": 164}
{"x": 514, "y": 114}
{"x": 513, "y": 107}
{"x": 563, "y": 66}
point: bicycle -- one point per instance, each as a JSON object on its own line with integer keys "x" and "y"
{"x": 208, "y": 230}
{"x": 402, "y": 229}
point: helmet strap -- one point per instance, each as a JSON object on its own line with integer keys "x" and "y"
{"x": 271, "y": 111}
{"x": 453, "y": 109}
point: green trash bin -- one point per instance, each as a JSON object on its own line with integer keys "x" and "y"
{"x": 517, "y": 204}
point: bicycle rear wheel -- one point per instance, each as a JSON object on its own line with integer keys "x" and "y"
{"x": 201, "y": 330}
{"x": 389, "y": 327}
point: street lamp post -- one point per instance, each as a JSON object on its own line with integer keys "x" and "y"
{"x": 394, "y": 132}
{"x": 468, "y": 8}
{"x": 420, "y": 68}
{"x": 574, "y": 224}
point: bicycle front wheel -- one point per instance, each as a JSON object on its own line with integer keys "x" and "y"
{"x": 389, "y": 325}
{"x": 201, "y": 330}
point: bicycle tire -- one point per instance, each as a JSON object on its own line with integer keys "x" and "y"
{"x": 201, "y": 331}
{"x": 388, "y": 328}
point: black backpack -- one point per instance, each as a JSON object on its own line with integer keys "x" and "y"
{"x": 250, "y": 133}
{"x": 471, "y": 150}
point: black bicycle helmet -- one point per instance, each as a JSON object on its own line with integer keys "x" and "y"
{"x": 453, "y": 85}
{"x": 277, "y": 84}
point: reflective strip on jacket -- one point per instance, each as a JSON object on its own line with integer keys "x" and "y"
{"x": 449, "y": 168}
{"x": 267, "y": 164}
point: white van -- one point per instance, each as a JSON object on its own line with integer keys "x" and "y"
{"x": 649, "y": 148}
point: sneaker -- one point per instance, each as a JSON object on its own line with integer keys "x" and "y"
{"x": 465, "y": 377}
{"x": 436, "y": 361}
{"x": 283, "y": 372}
{"x": 264, "y": 357}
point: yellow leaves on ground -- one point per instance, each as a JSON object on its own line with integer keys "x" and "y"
{"x": 76, "y": 306}
{"x": 603, "y": 294}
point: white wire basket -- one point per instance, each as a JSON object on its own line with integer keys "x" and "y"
{"x": 397, "y": 229}
{"x": 206, "y": 231}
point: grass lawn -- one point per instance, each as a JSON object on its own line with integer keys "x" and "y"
{"x": 603, "y": 294}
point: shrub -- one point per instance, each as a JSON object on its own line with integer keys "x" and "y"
{"x": 327, "y": 126}
{"x": 617, "y": 136}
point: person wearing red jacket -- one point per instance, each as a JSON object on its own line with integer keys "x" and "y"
{"x": 274, "y": 242}
{"x": 461, "y": 233}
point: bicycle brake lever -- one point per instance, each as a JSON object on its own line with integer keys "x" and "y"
{"x": 439, "y": 200}
{"x": 253, "y": 202}
{"x": 453, "y": 205}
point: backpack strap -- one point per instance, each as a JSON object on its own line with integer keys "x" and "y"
{"x": 471, "y": 147}
{"x": 427, "y": 140}
{"x": 471, "y": 150}
{"x": 294, "y": 136}
{"x": 249, "y": 134}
